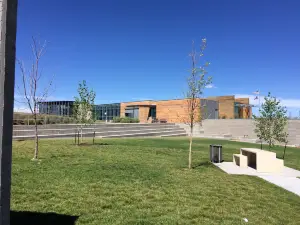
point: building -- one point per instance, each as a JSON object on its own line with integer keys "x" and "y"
{"x": 107, "y": 111}
{"x": 60, "y": 108}
{"x": 175, "y": 111}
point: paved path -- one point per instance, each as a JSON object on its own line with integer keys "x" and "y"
{"x": 291, "y": 184}
{"x": 286, "y": 179}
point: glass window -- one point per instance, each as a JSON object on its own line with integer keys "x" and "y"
{"x": 111, "y": 110}
{"x": 152, "y": 112}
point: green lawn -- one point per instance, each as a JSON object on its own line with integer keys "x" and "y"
{"x": 145, "y": 181}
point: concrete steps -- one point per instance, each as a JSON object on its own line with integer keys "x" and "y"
{"x": 51, "y": 131}
{"x": 148, "y": 134}
{"x": 101, "y": 131}
{"x": 99, "y": 125}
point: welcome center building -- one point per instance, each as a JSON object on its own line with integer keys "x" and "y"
{"x": 220, "y": 107}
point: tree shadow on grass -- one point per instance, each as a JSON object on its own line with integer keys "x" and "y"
{"x": 91, "y": 144}
{"x": 206, "y": 164}
{"x": 38, "y": 218}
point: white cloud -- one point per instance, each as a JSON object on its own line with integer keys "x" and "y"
{"x": 289, "y": 103}
{"x": 22, "y": 110}
{"x": 210, "y": 86}
{"x": 49, "y": 98}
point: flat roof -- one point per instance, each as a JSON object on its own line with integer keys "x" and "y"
{"x": 140, "y": 105}
{"x": 55, "y": 101}
{"x": 214, "y": 98}
{"x": 208, "y": 98}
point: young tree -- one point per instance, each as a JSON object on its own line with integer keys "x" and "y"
{"x": 196, "y": 83}
{"x": 271, "y": 124}
{"x": 31, "y": 90}
{"x": 260, "y": 129}
{"x": 84, "y": 105}
{"x": 284, "y": 139}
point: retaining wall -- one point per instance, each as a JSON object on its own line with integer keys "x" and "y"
{"x": 239, "y": 129}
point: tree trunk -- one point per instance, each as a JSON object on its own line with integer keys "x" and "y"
{"x": 36, "y": 149}
{"x": 260, "y": 145}
{"x": 94, "y": 137}
{"x": 78, "y": 137}
{"x": 284, "y": 152}
{"x": 81, "y": 134}
{"x": 190, "y": 150}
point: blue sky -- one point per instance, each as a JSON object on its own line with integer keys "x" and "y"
{"x": 135, "y": 50}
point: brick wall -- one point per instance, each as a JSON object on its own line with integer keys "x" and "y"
{"x": 174, "y": 111}
{"x": 143, "y": 113}
{"x": 242, "y": 100}
{"x": 246, "y": 111}
{"x": 226, "y": 106}
{"x": 123, "y": 105}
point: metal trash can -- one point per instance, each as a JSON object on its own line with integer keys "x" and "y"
{"x": 216, "y": 153}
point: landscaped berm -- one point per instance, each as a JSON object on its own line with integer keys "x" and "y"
{"x": 142, "y": 181}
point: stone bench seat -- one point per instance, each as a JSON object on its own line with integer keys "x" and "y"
{"x": 240, "y": 160}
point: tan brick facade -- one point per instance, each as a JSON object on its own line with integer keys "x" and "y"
{"x": 242, "y": 100}
{"x": 226, "y": 106}
{"x": 176, "y": 111}
{"x": 143, "y": 113}
{"x": 144, "y": 107}
{"x": 246, "y": 112}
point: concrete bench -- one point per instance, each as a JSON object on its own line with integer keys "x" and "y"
{"x": 261, "y": 160}
{"x": 240, "y": 160}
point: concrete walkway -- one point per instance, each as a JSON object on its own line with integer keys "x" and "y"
{"x": 291, "y": 184}
{"x": 286, "y": 179}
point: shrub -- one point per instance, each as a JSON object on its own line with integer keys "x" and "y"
{"x": 72, "y": 120}
{"x": 57, "y": 119}
{"x": 66, "y": 120}
{"x": 31, "y": 122}
{"x": 24, "y": 119}
{"x": 125, "y": 120}
{"x": 46, "y": 120}
{"x": 116, "y": 120}
{"x": 135, "y": 120}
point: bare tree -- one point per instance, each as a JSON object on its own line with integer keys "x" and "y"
{"x": 196, "y": 83}
{"x": 31, "y": 91}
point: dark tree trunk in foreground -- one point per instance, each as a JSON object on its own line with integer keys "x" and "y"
{"x": 8, "y": 26}
{"x": 190, "y": 148}
{"x": 36, "y": 139}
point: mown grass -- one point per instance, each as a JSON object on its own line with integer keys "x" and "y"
{"x": 145, "y": 181}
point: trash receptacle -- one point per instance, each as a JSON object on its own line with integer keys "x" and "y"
{"x": 216, "y": 153}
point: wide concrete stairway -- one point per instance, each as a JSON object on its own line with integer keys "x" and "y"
{"x": 110, "y": 130}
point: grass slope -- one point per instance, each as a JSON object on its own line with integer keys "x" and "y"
{"x": 145, "y": 181}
